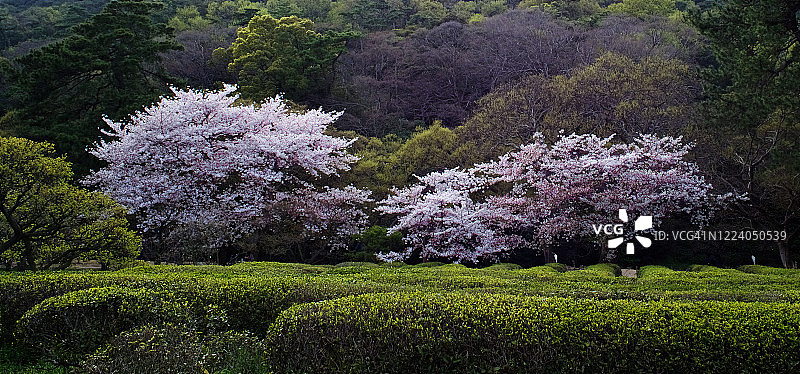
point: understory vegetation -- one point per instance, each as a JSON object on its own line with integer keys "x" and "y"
{"x": 391, "y": 318}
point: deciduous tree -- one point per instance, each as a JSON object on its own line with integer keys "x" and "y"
{"x": 208, "y": 172}
{"x": 47, "y": 222}
{"x": 543, "y": 193}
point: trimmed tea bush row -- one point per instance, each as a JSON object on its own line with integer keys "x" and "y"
{"x": 252, "y": 294}
{"x": 177, "y": 349}
{"x": 463, "y": 333}
{"x": 766, "y": 270}
{"x": 69, "y": 326}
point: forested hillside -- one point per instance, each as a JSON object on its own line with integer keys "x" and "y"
{"x": 426, "y": 86}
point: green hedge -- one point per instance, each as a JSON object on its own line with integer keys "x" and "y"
{"x": 652, "y": 271}
{"x": 557, "y": 266}
{"x": 766, "y": 270}
{"x": 612, "y": 269}
{"x": 461, "y": 333}
{"x": 178, "y": 349}
{"x": 503, "y": 266}
{"x": 252, "y": 294}
{"x": 69, "y": 326}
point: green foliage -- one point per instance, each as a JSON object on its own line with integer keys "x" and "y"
{"x": 557, "y": 266}
{"x": 249, "y": 297}
{"x": 45, "y": 221}
{"x": 614, "y": 95}
{"x": 445, "y": 333}
{"x": 493, "y": 8}
{"x": 188, "y": 18}
{"x": 646, "y": 8}
{"x": 605, "y": 268}
{"x": 753, "y": 116}
{"x": 393, "y": 162}
{"x": 503, "y": 266}
{"x": 272, "y": 56}
{"x": 282, "y": 8}
{"x": 107, "y": 66}
{"x": 368, "y": 265}
{"x": 654, "y": 271}
{"x": 232, "y": 13}
{"x": 432, "y": 149}
{"x": 430, "y": 264}
{"x": 372, "y": 15}
{"x": 375, "y": 239}
{"x": 759, "y": 269}
{"x": 462, "y": 11}
{"x": 427, "y": 13}
{"x": 66, "y": 327}
{"x": 176, "y": 348}
{"x": 583, "y": 11}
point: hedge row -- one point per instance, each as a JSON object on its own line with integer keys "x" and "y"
{"x": 67, "y": 327}
{"x": 462, "y": 333}
{"x": 253, "y": 294}
{"x": 69, "y": 314}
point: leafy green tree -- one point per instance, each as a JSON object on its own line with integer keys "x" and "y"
{"x": 427, "y": 13}
{"x": 377, "y": 239}
{"x": 108, "y": 65}
{"x": 373, "y": 15}
{"x": 234, "y": 13}
{"x": 614, "y": 95}
{"x": 493, "y": 8}
{"x": 188, "y": 18}
{"x": 646, "y": 8}
{"x": 283, "y": 8}
{"x": 315, "y": 10}
{"x": 462, "y": 11}
{"x": 272, "y": 56}
{"x": 753, "y": 127}
{"x": 47, "y": 222}
{"x": 394, "y": 162}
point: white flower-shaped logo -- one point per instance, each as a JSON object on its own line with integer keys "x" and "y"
{"x": 642, "y": 223}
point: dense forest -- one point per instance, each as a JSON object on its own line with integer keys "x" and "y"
{"x": 425, "y": 86}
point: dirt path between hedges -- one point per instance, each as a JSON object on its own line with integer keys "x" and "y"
{"x": 630, "y": 273}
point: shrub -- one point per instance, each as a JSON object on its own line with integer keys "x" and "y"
{"x": 178, "y": 349}
{"x": 503, "y": 266}
{"x": 429, "y": 264}
{"x": 252, "y": 303}
{"x": 22, "y": 291}
{"x": 354, "y": 263}
{"x": 464, "y": 333}
{"x": 353, "y": 267}
{"x": 148, "y": 349}
{"x": 607, "y": 268}
{"x": 561, "y": 268}
{"x": 68, "y": 326}
{"x": 654, "y": 271}
{"x": 766, "y": 270}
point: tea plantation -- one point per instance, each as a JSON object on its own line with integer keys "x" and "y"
{"x": 429, "y": 318}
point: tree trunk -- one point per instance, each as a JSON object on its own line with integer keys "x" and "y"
{"x": 28, "y": 261}
{"x": 783, "y": 251}
{"x": 548, "y": 255}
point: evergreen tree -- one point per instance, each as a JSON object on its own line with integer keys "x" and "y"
{"x": 108, "y": 65}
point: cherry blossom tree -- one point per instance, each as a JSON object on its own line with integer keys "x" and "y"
{"x": 209, "y": 171}
{"x": 543, "y": 193}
